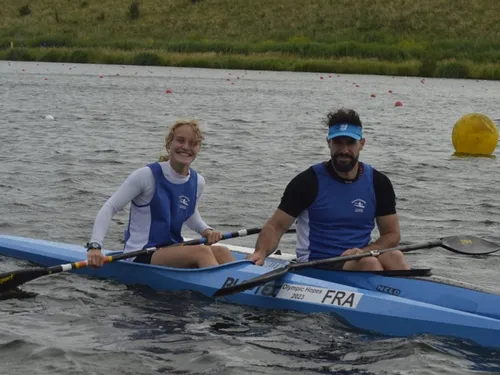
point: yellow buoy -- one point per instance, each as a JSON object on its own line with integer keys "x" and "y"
{"x": 475, "y": 134}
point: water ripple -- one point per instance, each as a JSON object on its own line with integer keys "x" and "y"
{"x": 260, "y": 133}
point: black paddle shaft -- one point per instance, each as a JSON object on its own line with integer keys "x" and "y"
{"x": 280, "y": 272}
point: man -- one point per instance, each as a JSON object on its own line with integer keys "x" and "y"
{"x": 336, "y": 204}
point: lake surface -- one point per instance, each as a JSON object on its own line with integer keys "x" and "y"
{"x": 262, "y": 128}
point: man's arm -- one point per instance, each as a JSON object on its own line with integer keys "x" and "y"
{"x": 298, "y": 195}
{"x": 388, "y": 226}
{"x": 270, "y": 235}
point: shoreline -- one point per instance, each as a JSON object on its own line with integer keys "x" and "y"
{"x": 271, "y": 61}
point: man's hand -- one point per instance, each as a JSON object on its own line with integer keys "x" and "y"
{"x": 258, "y": 258}
{"x": 353, "y": 251}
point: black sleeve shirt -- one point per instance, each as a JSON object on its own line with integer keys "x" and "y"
{"x": 301, "y": 191}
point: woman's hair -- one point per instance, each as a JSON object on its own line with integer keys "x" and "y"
{"x": 170, "y": 135}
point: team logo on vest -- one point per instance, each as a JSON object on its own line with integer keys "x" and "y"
{"x": 359, "y": 205}
{"x": 183, "y": 202}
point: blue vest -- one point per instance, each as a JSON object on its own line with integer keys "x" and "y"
{"x": 171, "y": 206}
{"x": 342, "y": 216}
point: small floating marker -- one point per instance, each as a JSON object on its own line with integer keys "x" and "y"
{"x": 398, "y": 104}
{"x": 373, "y": 95}
{"x": 227, "y": 79}
{"x": 49, "y": 117}
{"x": 232, "y": 83}
{"x": 475, "y": 134}
{"x": 169, "y": 91}
{"x": 357, "y": 85}
{"x": 422, "y": 80}
{"x": 22, "y": 70}
{"x": 321, "y": 77}
{"x": 390, "y": 91}
{"x": 45, "y": 79}
{"x": 329, "y": 76}
{"x": 101, "y": 76}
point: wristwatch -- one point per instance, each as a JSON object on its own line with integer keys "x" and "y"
{"x": 93, "y": 246}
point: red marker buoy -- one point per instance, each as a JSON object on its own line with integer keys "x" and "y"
{"x": 398, "y": 104}
{"x": 373, "y": 95}
{"x": 169, "y": 91}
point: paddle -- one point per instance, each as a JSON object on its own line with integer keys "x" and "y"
{"x": 11, "y": 280}
{"x": 469, "y": 245}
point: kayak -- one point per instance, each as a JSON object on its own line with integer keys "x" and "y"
{"x": 435, "y": 290}
{"x": 418, "y": 285}
{"x": 356, "y": 307}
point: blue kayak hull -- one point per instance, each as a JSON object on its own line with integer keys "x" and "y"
{"x": 423, "y": 290}
{"x": 357, "y": 307}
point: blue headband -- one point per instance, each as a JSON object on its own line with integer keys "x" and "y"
{"x": 345, "y": 130}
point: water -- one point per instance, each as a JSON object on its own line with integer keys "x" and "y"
{"x": 262, "y": 128}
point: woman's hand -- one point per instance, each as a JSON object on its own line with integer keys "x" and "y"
{"x": 95, "y": 258}
{"x": 212, "y": 236}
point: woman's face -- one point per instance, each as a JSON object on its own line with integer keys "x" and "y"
{"x": 185, "y": 146}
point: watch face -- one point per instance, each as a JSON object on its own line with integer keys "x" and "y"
{"x": 94, "y": 245}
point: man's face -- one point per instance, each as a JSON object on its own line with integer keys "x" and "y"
{"x": 345, "y": 152}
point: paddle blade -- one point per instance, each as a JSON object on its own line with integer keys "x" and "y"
{"x": 470, "y": 245}
{"x": 249, "y": 284}
{"x": 11, "y": 280}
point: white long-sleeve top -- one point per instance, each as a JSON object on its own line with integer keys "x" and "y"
{"x": 139, "y": 187}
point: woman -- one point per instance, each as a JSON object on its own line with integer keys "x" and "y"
{"x": 163, "y": 196}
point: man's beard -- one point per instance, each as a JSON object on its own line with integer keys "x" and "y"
{"x": 344, "y": 166}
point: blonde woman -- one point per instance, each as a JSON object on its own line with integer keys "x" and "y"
{"x": 163, "y": 196}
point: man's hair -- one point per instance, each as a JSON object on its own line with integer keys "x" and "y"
{"x": 343, "y": 116}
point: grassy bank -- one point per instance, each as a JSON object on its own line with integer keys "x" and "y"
{"x": 396, "y": 37}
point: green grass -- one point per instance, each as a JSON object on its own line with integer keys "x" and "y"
{"x": 397, "y": 37}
